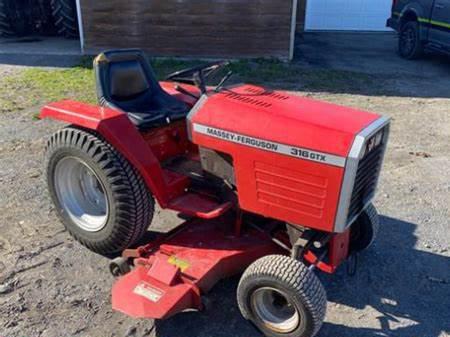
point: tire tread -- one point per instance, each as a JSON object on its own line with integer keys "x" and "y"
{"x": 418, "y": 50}
{"x": 133, "y": 202}
{"x": 6, "y": 28}
{"x": 65, "y": 17}
{"x": 367, "y": 225}
{"x": 295, "y": 275}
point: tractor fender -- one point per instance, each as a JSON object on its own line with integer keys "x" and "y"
{"x": 118, "y": 131}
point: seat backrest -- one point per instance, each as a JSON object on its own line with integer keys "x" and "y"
{"x": 124, "y": 79}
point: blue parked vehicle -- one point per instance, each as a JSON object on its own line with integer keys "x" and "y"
{"x": 422, "y": 25}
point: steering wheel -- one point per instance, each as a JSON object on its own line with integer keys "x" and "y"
{"x": 188, "y": 75}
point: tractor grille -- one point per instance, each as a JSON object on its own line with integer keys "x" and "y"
{"x": 366, "y": 179}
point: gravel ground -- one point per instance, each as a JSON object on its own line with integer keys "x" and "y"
{"x": 50, "y": 286}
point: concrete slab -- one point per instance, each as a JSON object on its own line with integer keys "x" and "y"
{"x": 373, "y": 53}
{"x": 40, "y": 51}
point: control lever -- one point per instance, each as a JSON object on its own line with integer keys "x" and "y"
{"x": 199, "y": 81}
{"x": 179, "y": 88}
{"x": 222, "y": 82}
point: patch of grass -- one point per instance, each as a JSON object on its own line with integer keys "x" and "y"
{"x": 36, "y": 86}
{"x": 290, "y": 76}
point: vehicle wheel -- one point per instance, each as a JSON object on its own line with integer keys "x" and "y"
{"x": 282, "y": 297}
{"x": 409, "y": 45}
{"x": 14, "y": 20}
{"x": 101, "y": 199}
{"x": 65, "y": 16}
{"x": 119, "y": 266}
{"x": 364, "y": 230}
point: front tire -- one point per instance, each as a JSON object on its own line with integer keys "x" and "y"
{"x": 282, "y": 297}
{"x": 410, "y": 46}
{"x": 101, "y": 199}
{"x": 365, "y": 229}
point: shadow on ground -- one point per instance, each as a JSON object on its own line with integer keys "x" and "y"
{"x": 407, "y": 290}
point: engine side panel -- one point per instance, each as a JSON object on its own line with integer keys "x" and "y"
{"x": 291, "y": 189}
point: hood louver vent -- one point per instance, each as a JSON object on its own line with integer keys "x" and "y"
{"x": 278, "y": 96}
{"x": 257, "y": 96}
{"x": 248, "y": 100}
{"x": 263, "y": 92}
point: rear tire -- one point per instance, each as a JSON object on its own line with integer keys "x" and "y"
{"x": 364, "y": 230}
{"x": 101, "y": 199}
{"x": 14, "y": 20}
{"x": 6, "y": 29}
{"x": 65, "y": 17}
{"x": 282, "y": 297}
{"x": 410, "y": 46}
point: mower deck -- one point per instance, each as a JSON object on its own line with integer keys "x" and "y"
{"x": 172, "y": 273}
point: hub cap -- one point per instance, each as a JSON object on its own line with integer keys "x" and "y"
{"x": 275, "y": 309}
{"x": 408, "y": 40}
{"x": 81, "y": 194}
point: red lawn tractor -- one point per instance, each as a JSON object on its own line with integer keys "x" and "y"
{"x": 271, "y": 184}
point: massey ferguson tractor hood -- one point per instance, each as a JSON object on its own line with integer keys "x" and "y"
{"x": 303, "y": 160}
{"x": 280, "y": 118}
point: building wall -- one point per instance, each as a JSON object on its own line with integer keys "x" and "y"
{"x": 205, "y": 28}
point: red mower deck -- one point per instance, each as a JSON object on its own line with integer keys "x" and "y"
{"x": 171, "y": 276}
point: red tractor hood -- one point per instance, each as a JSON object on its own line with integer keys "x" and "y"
{"x": 282, "y": 118}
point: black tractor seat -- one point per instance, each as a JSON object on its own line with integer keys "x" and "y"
{"x": 126, "y": 82}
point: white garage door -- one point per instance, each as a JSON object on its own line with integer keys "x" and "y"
{"x": 366, "y": 15}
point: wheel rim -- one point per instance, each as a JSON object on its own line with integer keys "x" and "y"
{"x": 81, "y": 194}
{"x": 408, "y": 40}
{"x": 275, "y": 309}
